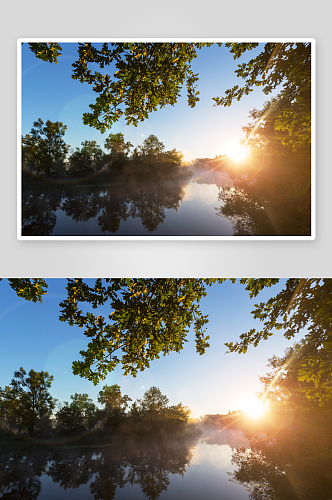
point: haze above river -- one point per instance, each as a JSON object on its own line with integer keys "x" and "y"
{"x": 196, "y": 468}
{"x": 201, "y": 203}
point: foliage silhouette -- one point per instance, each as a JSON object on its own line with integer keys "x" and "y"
{"x": 81, "y": 414}
{"x": 114, "y": 405}
{"x": 44, "y": 156}
{"x": 87, "y": 160}
{"x": 149, "y": 76}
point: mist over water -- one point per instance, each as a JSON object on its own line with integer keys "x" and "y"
{"x": 180, "y": 205}
{"x": 211, "y": 460}
{"x": 192, "y": 201}
{"x": 186, "y": 467}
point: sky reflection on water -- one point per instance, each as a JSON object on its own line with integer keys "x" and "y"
{"x": 184, "y": 468}
{"x": 197, "y": 203}
{"x": 181, "y": 207}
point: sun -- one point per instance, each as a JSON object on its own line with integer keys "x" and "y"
{"x": 254, "y": 408}
{"x": 236, "y": 152}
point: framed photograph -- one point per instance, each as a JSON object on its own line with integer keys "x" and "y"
{"x": 166, "y": 139}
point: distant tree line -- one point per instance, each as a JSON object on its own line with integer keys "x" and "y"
{"x": 27, "y": 406}
{"x": 45, "y": 152}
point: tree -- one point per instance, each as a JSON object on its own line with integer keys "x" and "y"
{"x": 303, "y": 303}
{"x": 46, "y": 51}
{"x": 286, "y": 64}
{"x": 87, "y": 407}
{"x": 44, "y": 148}
{"x": 288, "y": 385}
{"x": 110, "y": 397}
{"x": 152, "y": 154}
{"x": 151, "y": 75}
{"x": 272, "y": 195}
{"x": 118, "y": 148}
{"x": 31, "y": 289}
{"x": 152, "y": 149}
{"x": 30, "y": 152}
{"x": 9, "y": 406}
{"x": 27, "y": 400}
{"x": 80, "y": 164}
{"x": 178, "y": 414}
{"x": 86, "y": 160}
{"x": 154, "y": 409}
{"x": 153, "y": 405}
{"x": 149, "y": 317}
{"x": 114, "y": 405}
{"x": 81, "y": 414}
{"x": 116, "y": 145}
{"x": 70, "y": 420}
{"x": 173, "y": 157}
{"x": 93, "y": 151}
{"x": 268, "y": 130}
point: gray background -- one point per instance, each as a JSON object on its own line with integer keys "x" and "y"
{"x": 159, "y": 18}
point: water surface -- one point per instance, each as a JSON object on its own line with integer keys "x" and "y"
{"x": 195, "y": 203}
{"x": 218, "y": 464}
{"x": 185, "y": 468}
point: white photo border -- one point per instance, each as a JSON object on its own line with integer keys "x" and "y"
{"x": 312, "y": 41}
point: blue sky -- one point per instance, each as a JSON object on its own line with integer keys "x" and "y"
{"x": 48, "y": 92}
{"x": 33, "y": 337}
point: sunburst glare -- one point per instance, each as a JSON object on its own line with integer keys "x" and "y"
{"x": 236, "y": 152}
{"x": 253, "y": 407}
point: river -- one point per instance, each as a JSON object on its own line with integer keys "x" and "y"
{"x": 197, "y": 203}
{"x": 218, "y": 464}
{"x": 194, "y": 468}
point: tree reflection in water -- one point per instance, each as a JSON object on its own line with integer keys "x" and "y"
{"x": 148, "y": 465}
{"x": 20, "y": 473}
{"x": 39, "y": 207}
{"x": 271, "y": 199}
{"x": 138, "y": 196}
{"x": 289, "y": 466}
